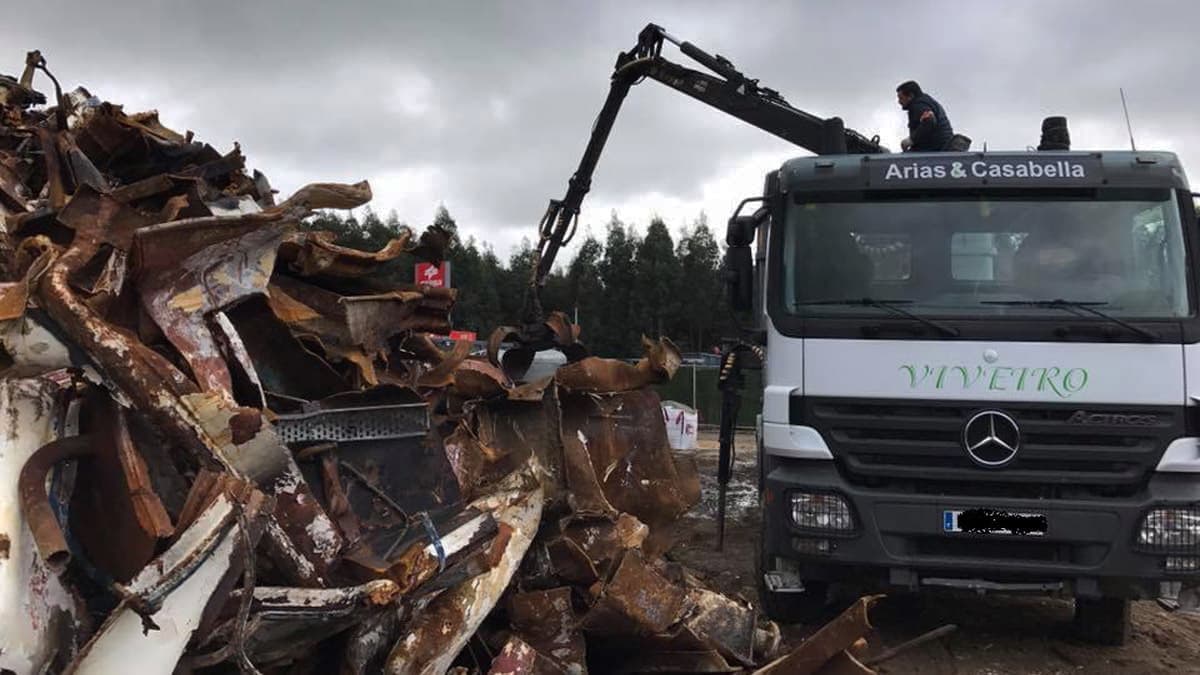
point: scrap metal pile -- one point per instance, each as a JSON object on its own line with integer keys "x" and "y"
{"x": 226, "y": 447}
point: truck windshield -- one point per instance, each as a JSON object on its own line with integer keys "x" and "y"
{"x": 983, "y": 257}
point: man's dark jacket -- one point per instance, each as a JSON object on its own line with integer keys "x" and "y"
{"x": 931, "y": 135}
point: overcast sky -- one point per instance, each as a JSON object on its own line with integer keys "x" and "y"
{"x": 486, "y": 106}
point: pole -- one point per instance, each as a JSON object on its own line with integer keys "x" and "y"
{"x": 695, "y": 403}
{"x": 729, "y": 383}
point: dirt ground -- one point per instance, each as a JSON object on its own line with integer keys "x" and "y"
{"x": 995, "y": 634}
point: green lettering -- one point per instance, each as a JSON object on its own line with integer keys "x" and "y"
{"x": 1034, "y": 377}
{"x": 912, "y": 375}
{"x": 1079, "y": 374}
{"x": 941, "y": 378}
{"x": 994, "y": 385}
{"x": 1048, "y": 376}
{"x": 969, "y": 381}
{"x": 1021, "y": 379}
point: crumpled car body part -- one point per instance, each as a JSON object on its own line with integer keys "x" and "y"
{"x": 180, "y": 300}
{"x": 37, "y": 613}
{"x": 453, "y": 616}
{"x": 179, "y": 586}
{"x": 288, "y": 622}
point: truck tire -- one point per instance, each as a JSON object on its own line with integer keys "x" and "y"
{"x": 804, "y": 607}
{"x": 1102, "y": 621}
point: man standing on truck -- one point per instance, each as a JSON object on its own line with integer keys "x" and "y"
{"x": 929, "y": 128}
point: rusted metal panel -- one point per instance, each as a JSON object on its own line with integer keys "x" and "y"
{"x": 516, "y": 658}
{"x": 635, "y": 601}
{"x": 220, "y": 275}
{"x": 115, "y": 514}
{"x": 283, "y": 364}
{"x": 604, "y": 541}
{"x": 723, "y": 623}
{"x": 570, "y": 562}
{"x": 547, "y": 622}
{"x": 360, "y": 320}
{"x": 618, "y": 442}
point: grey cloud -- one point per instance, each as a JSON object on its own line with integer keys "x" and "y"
{"x": 318, "y": 89}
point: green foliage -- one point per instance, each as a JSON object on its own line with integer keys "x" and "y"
{"x": 620, "y": 288}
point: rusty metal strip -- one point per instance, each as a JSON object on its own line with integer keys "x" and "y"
{"x": 15, "y": 295}
{"x": 314, "y": 196}
{"x": 314, "y": 253}
{"x": 595, "y": 374}
{"x": 820, "y": 647}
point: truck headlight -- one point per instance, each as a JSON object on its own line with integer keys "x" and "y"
{"x": 821, "y": 511}
{"x": 1171, "y": 528}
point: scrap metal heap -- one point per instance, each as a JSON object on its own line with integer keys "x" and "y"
{"x": 228, "y": 447}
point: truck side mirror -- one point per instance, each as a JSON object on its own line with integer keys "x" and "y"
{"x": 739, "y": 261}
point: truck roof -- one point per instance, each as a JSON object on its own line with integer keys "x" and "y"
{"x": 973, "y": 170}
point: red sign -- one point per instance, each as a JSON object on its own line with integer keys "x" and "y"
{"x": 462, "y": 335}
{"x": 428, "y": 274}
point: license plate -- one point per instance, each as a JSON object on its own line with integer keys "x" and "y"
{"x": 994, "y": 521}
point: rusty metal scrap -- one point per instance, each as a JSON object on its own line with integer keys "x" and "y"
{"x": 826, "y": 644}
{"x": 252, "y": 456}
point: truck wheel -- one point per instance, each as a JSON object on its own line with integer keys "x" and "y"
{"x": 803, "y": 607}
{"x": 1102, "y": 621}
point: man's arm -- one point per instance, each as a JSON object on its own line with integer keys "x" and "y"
{"x": 926, "y": 123}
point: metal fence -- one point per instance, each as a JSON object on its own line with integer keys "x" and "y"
{"x": 697, "y": 386}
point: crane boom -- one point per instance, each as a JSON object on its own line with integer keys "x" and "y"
{"x": 726, "y": 89}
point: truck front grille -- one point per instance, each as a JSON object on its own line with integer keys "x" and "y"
{"x": 1108, "y": 447}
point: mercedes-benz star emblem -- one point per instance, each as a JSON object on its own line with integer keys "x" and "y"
{"x": 991, "y": 438}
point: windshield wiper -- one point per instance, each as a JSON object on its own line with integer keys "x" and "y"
{"x": 1075, "y": 307}
{"x": 890, "y": 306}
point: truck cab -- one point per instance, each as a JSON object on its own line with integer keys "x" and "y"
{"x": 982, "y": 374}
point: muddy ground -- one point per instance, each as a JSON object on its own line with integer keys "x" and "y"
{"x": 995, "y": 634}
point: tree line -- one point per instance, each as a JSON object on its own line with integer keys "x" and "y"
{"x": 618, "y": 288}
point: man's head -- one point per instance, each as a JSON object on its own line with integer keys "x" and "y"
{"x": 906, "y": 92}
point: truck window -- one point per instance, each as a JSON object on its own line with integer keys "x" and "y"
{"x": 956, "y": 256}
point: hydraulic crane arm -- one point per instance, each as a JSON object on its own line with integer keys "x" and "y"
{"x": 725, "y": 88}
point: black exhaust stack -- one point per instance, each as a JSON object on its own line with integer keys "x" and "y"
{"x": 1054, "y": 134}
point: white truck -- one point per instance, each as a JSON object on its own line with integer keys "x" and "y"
{"x": 982, "y": 373}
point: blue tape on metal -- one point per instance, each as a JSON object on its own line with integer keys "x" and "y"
{"x": 435, "y": 540}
